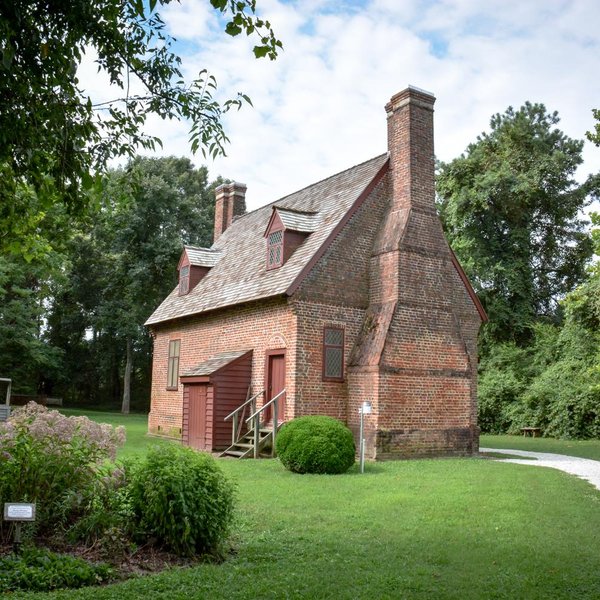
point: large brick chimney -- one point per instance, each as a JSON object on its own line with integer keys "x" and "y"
{"x": 415, "y": 358}
{"x": 230, "y": 202}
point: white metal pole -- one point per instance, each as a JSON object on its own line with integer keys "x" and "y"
{"x": 362, "y": 441}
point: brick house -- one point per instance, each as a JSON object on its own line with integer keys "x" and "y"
{"x": 342, "y": 292}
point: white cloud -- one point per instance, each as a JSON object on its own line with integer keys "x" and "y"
{"x": 319, "y": 108}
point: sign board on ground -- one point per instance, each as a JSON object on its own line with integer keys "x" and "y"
{"x": 19, "y": 511}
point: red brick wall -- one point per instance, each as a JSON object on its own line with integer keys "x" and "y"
{"x": 335, "y": 293}
{"x": 258, "y": 326}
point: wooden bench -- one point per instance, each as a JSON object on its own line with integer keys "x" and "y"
{"x": 531, "y": 431}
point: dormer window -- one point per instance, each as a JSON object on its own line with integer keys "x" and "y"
{"x": 286, "y": 231}
{"x": 275, "y": 249}
{"x": 194, "y": 265}
{"x": 184, "y": 280}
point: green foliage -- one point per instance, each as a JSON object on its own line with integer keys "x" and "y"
{"x": 107, "y": 514}
{"x": 121, "y": 266}
{"x": 52, "y": 136}
{"x": 553, "y": 384}
{"x": 25, "y": 357}
{"x": 594, "y": 136}
{"x": 37, "y": 570}
{"x": 182, "y": 499}
{"x": 316, "y": 444}
{"x": 54, "y": 461}
{"x": 502, "y": 380}
{"x": 511, "y": 209}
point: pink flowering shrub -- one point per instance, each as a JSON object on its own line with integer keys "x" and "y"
{"x": 54, "y": 461}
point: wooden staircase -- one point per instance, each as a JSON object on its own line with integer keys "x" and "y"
{"x": 259, "y": 440}
{"x": 244, "y": 447}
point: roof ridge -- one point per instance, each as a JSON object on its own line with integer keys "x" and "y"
{"x": 360, "y": 164}
{"x": 297, "y": 210}
{"x": 211, "y": 249}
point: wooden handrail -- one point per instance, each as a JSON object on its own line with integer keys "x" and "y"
{"x": 256, "y": 417}
{"x": 238, "y": 416}
{"x": 260, "y": 410}
{"x": 243, "y": 405}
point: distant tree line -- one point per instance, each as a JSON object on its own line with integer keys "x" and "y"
{"x": 71, "y": 320}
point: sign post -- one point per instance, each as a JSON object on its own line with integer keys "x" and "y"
{"x": 365, "y": 409}
{"x": 18, "y": 512}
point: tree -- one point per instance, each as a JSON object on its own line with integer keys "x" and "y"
{"x": 122, "y": 267}
{"x": 25, "y": 356}
{"x": 53, "y": 139}
{"x": 510, "y": 207}
{"x": 594, "y": 136}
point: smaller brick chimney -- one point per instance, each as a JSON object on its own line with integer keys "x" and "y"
{"x": 230, "y": 202}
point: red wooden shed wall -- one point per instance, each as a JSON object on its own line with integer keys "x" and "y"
{"x": 226, "y": 389}
{"x": 231, "y": 388}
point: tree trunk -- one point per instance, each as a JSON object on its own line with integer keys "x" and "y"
{"x": 127, "y": 378}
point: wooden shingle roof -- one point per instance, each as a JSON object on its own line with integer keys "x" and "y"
{"x": 297, "y": 220}
{"x": 202, "y": 257}
{"x": 240, "y": 274}
{"x": 214, "y": 363}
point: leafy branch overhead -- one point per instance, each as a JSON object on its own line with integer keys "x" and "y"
{"x": 52, "y": 135}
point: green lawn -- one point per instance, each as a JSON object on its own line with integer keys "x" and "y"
{"x": 136, "y": 426}
{"x": 455, "y": 528}
{"x": 582, "y": 448}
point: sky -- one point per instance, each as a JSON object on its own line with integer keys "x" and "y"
{"x": 319, "y": 108}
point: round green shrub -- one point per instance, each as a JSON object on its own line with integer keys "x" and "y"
{"x": 181, "y": 499}
{"x": 316, "y": 444}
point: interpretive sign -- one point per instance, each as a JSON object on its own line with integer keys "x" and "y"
{"x": 19, "y": 511}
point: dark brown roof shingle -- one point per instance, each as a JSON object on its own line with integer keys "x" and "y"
{"x": 240, "y": 274}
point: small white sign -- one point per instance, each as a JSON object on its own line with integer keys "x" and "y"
{"x": 19, "y": 511}
{"x": 366, "y": 408}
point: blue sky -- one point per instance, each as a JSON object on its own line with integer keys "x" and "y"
{"x": 320, "y": 107}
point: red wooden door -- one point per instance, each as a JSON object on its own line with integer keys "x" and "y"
{"x": 275, "y": 384}
{"x": 197, "y": 418}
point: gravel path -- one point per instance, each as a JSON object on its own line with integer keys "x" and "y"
{"x": 585, "y": 468}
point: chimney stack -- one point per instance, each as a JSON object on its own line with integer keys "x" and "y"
{"x": 230, "y": 202}
{"x": 410, "y": 145}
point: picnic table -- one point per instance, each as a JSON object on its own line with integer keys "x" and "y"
{"x": 531, "y": 431}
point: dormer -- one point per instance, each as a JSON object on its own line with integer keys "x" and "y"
{"x": 286, "y": 230}
{"x": 194, "y": 264}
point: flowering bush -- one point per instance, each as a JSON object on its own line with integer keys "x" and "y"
{"x": 53, "y": 460}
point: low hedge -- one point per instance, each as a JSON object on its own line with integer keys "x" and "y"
{"x": 316, "y": 444}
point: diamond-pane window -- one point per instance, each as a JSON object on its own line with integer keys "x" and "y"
{"x": 333, "y": 354}
{"x": 275, "y": 249}
{"x": 184, "y": 280}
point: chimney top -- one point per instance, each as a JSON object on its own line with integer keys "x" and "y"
{"x": 410, "y": 95}
{"x": 230, "y": 203}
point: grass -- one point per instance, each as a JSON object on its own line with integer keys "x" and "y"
{"x": 581, "y": 448}
{"x": 461, "y": 528}
{"x": 136, "y": 425}
{"x": 456, "y": 529}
